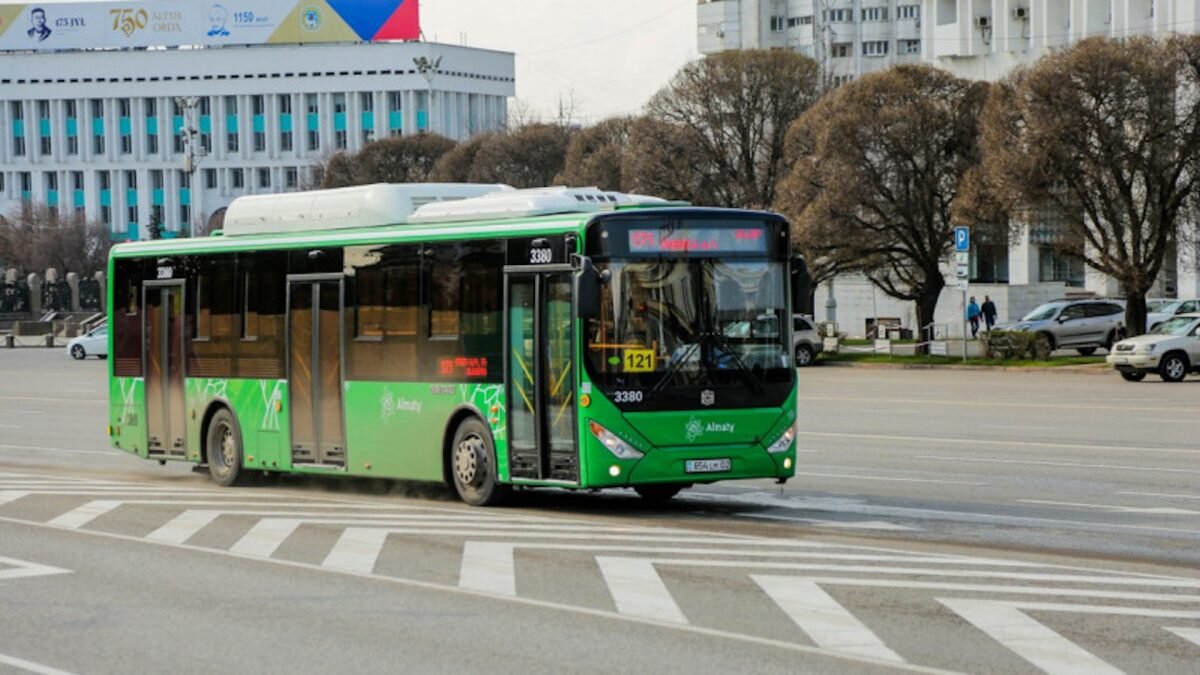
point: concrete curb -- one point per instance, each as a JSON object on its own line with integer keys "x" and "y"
{"x": 1097, "y": 369}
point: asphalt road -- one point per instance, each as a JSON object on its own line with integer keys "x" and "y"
{"x": 965, "y": 521}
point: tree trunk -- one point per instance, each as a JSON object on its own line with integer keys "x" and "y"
{"x": 1135, "y": 312}
{"x": 927, "y": 300}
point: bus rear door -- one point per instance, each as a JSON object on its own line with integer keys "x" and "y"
{"x": 162, "y": 356}
{"x": 315, "y": 370}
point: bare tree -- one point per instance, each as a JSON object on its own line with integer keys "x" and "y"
{"x": 529, "y": 157}
{"x": 1106, "y": 134}
{"x": 455, "y": 165}
{"x": 877, "y": 166}
{"x": 666, "y": 160}
{"x": 402, "y": 159}
{"x": 736, "y": 107}
{"x": 33, "y": 238}
{"x": 594, "y": 155}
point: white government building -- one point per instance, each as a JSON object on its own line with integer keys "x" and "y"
{"x": 125, "y": 134}
{"x": 977, "y": 39}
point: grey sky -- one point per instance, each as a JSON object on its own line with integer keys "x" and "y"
{"x": 613, "y": 55}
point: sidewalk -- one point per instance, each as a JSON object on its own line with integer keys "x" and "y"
{"x": 1082, "y": 369}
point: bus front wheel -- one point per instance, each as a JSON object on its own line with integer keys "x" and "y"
{"x": 224, "y": 450}
{"x": 473, "y": 465}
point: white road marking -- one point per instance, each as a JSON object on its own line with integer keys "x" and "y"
{"x": 806, "y": 474}
{"x": 68, "y": 451}
{"x": 994, "y": 588}
{"x": 637, "y": 589}
{"x": 842, "y": 524}
{"x": 1190, "y": 634}
{"x": 1028, "y": 638}
{"x": 30, "y": 666}
{"x": 1030, "y": 462}
{"x": 181, "y": 528}
{"x": 7, "y": 496}
{"x": 1038, "y": 404}
{"x": 356, "y": 550}
{"x": 891, "y": 438}
{"x": 1158, "y": 494}
{"x": 822, "y": 618}
{"x": 85, "y": 514}
{"x": 1155, "y": 510}
{"x": 20, "y": 569}
{"x": 488, "y": 567}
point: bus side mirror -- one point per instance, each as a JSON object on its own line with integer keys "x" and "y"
{"x": 587, "y": 289}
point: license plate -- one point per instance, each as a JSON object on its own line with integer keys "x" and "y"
{"x": 706, "y": 465}
{"x": 1120, "y": 361}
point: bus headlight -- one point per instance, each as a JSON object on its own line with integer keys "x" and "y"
{"x": 783, "y": 442}
{"x": 616, "y": 446}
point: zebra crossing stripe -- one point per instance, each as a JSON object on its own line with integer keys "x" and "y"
{"x": 1190, "y": 634}
{"x": 638, "y": 590}
{"x": 824, "y": 619}
{"x": 488, "y": 566}
{"x": 85, "y": 514}
{"x": 356, "y": 550}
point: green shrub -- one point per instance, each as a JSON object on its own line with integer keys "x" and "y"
{"x": 1012, "y": 345}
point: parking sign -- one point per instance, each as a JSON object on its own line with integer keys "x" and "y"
{"x": 962, "y": 239}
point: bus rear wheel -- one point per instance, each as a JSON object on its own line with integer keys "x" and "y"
{"x": 473, "y": 465}
{"x": 657, "y": 494}
{"x": 223, "y": 450}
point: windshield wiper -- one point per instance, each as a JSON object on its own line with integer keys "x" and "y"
{"x": 747, "y": 374}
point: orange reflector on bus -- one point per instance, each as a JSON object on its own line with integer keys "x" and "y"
{"x": 585, "y": 400}
{"x": 278, "y": 406}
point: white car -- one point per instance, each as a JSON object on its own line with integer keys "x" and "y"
{"x": 1172, "y": 350}
{"x": 92, "y": 343}
{"x": 1169, "y": 309}
{"x": 805, "y": 341}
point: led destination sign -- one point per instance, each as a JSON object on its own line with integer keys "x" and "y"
{"x": 699, "y": 240}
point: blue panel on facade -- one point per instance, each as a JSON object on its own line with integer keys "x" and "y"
{"x": 285, "y": 122}
{"x": 125, "y": 126}
{"x": 72, "y": 126}
{"x": 422, "y": 120}
{"x": 339, "y": 121}
{"x": 314, "y": 123}
{"x": 177, "y": 124}
{"x": 368, "y": 120}
{"x": 133, "y": 231}
{"x": 185, "y": 196}
{"x": 52, "y": 197}
{"x": 18, "y": 128}
{"x": 259, "y": 124}
{"x": 395, "y": 120}
{"x": 156, "y": 197}
{"x": 105, "y": 198}
{"x": 44, "y": 127}
{"x": 151, "y": 126}
{"x": 131, "y": 197}
{"x": 231, "y": 123}
{"x": 79, "y": 199}
{"x": 205, "y": 124}
{"x": 97, "y": 126}
{"x": 24, "y": 195}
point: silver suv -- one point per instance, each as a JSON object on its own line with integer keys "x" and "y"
{"x": 805, "y": 341}
{"x": 1083, "y": 325}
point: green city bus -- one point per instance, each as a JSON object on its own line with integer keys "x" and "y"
{"x": 475, "y": 335}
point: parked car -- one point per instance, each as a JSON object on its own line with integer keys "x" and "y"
{"x": 805, "y": 341}
{"x": 1172, "y": 350}
{"x": 1169, "y": 309}
{"x": 92, "y": 343}
{"x": 1082, "y": 325}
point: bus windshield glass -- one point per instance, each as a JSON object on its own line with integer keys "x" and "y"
{"x": 691, "y": 309}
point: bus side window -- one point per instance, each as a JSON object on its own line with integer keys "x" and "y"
{"x": 127, "y": 320}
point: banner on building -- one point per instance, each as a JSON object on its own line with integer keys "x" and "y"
{"x": 177, "y": 23}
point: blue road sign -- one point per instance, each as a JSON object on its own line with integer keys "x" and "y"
{"x": 962, "y": 239}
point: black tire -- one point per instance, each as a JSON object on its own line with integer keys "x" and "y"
{"x": 223, "y": 450}
{"x": 1043, "y": 344}
{"x": 78, "y": 353}
{"x": 804, "y": 355}
{"x": 657, "y": 494}
{"x": 1086, "y": 351}
{"x": 473, "y": 465}
{"x": 1133, "y": 376}
{"x": 1173, "y": 367}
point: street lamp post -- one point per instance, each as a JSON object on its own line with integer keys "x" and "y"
{"x": 427, "y": 67}
{"x": 191, "y": 153}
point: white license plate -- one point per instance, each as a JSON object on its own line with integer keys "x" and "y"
{"x": 706, "y": 465}
{"x": 1120, "y": 361}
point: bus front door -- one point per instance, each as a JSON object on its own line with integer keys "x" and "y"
{"x": 315, "y": 370}
{"x": 162, "y": 354}
{"x": 541, "y": 377}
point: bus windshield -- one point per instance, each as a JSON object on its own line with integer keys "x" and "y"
{"x": 669, "y": 326}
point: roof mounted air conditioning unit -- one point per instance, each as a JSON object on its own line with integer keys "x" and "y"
{"x": 983, "y": 21}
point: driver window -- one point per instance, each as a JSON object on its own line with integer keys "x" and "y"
{"x": 1071, "y": 313}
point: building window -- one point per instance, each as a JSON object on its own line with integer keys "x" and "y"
{"x": 106, "y": 215}
{"x": 76, "y": 180}
{"x": 185, "y": 214}
{"x": 152, "y": 145}
{"x": 151, "y": 106}
{"x": 291, "y": 177}
{"x": 778, "y": 23}
{"x": 105, "y": 180}
{"x": 875, "y": 48}
{"x": 126, "y": 144}
{"x": 874, "y": 14}
{"x": 339, "y": 139}
{"x": 72, "y": 145}
{"x": 231, "y": 141}
{"x": 1057, "y": 265}
{"x": 367, "y": 101}
{"x": 795, "y": 21}
{"x": 910, "y": 47}
{"x": 311, "y": 120}
{"x": 839, "y": 16}
{"x": 237, "y": 178}
{"x": 131, "y": 180}
{"x": 285, "y": 141}
{"x": 98, "y": 144}
{"x": 131, "y": 214}
{"x": 908, "y": 12}
{"x": 210, "y": 179}
{"x": 264, "y": 177}
{"x": 840, "y": 49}
{"x": 45, "y": 145}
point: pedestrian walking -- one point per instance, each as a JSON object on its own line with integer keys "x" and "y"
{"x": 973, "y": 313}
{"x": 989, "y": 313}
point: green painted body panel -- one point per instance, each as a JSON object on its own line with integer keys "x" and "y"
{"x": 127, "y": 412}
{"x": 260, "y": 407}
